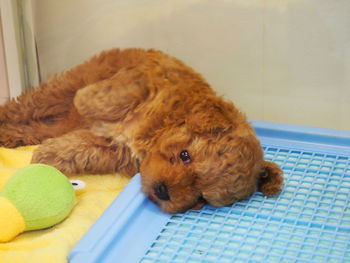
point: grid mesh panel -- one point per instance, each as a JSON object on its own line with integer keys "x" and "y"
{"x": 308, "y": 222}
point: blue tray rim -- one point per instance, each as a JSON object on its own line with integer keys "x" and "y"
{"x": 323, "y": 136}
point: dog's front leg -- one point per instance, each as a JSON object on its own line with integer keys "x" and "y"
{"x": 82, "y": 152}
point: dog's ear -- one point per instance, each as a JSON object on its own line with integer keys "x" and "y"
{"x": 111, "y": 99}
{"x": 270, "y": 179}
{"x": 212, "y": 116}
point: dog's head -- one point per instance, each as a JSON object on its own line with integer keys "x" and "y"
{"x": 209, "y": 158}
{"x": 195, "y": 150}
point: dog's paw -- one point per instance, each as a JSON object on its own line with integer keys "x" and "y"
{"x": 48, "y": 153}
{"x": 14, "y": 135}
{"x": 9, "y": 139}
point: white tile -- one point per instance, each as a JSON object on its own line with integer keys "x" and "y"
{"x": 344, "y": 105}
{"x": 345, "y": 116}
{"x": 301, "y": 111}
{"x": 304, "y": 63}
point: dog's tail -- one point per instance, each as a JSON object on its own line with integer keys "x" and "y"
{"x": 270, "y": 179}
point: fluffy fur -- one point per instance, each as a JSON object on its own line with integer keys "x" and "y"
{"x": 137, "y": 110}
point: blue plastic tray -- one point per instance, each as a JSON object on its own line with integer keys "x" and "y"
{"x": 308, "y": 222}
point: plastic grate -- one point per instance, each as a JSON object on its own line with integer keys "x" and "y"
{"x": 308, "y": 222}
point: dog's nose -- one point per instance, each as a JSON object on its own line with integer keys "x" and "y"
{"x": 161, "y": 191}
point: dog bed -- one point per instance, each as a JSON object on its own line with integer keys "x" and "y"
{"x": 53, "y": 244}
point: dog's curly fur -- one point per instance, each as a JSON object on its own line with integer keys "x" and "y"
{"x": 136, "y": 110}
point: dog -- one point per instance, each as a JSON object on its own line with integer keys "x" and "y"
{"x": 136, "y": 110}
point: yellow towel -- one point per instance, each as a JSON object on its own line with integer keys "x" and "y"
{"x": 52, "y": 245}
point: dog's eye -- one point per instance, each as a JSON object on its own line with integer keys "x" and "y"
{"x": 185, "y": 156}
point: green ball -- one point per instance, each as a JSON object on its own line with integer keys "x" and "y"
{"x": 42, "y": 194}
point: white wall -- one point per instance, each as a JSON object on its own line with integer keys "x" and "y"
{"x": 279, "y": 60}
{"x": 13, "y": 75}
{"x": 4, "y": 89}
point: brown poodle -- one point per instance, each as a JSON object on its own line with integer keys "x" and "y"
{"x": 142, "y": 110}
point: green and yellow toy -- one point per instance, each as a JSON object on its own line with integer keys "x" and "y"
{"x": 35, "y": 197}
